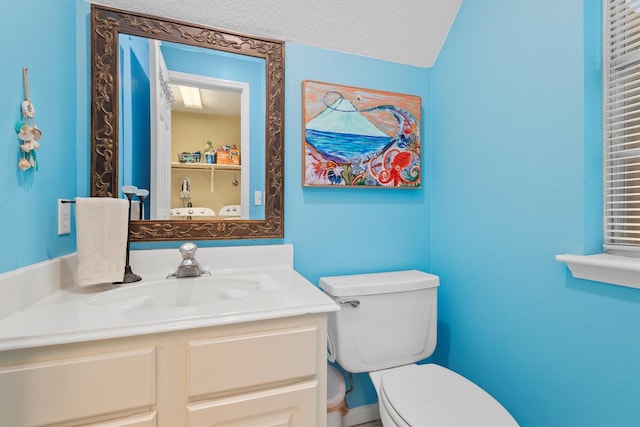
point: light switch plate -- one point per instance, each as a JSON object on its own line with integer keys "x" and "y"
{"x": 257, "y": 198}
{"x": 64, "y": 217}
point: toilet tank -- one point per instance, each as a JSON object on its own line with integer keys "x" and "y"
{"x": 385, "y": 319}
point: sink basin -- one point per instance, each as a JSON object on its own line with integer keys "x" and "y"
{"x": 172, "y": 293}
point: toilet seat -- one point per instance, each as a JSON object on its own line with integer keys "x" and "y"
{"x": 430, "y": 395}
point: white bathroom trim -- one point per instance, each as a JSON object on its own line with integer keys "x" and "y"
{"x": 605, "y": 268}
{"x": 361, "y": 415}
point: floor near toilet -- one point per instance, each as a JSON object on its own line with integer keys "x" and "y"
{"x": 371, "y": 424}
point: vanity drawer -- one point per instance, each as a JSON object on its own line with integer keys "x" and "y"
{"x": 294, "y": 405}
{"x": 75, "y": 388}
{"x": 234, "y": 362}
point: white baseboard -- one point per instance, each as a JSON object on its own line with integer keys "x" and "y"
{"x": 361, "y": 415}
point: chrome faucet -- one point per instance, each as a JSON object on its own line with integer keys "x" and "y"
{"x": 189, "y": 266}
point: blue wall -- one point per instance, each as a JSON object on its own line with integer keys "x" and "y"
{"x": 134, "y": 114}
{"x": 515, "y": 173}
{"x": 511, "y": 178}
{"x": 46, "y": 45}
{"x": 347, "y": 230}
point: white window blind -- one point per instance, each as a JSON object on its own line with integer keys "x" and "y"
{"x": 621, "y": 107}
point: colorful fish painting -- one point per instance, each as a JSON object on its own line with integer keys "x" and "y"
{"x": 360, "y": 137}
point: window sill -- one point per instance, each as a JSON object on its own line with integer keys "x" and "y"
{"x": 612, "y": 269}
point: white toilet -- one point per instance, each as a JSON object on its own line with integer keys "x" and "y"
{"x": 386, "y": 323}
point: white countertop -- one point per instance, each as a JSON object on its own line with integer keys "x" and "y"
{"x": 70, "y": 314}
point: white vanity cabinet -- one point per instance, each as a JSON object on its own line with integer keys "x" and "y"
{"x": 261, "y": 373}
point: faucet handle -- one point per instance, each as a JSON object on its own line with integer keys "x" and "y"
{"x": 189, "y": 266}
{"x": 188, "y": 250}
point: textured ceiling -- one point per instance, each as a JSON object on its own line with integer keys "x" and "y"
{"x": 405, "y": 31}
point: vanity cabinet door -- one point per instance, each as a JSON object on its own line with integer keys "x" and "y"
{"x": 267, "y": 373}
{"x": 285, "y": 406}
{"x": 76, "y": 388}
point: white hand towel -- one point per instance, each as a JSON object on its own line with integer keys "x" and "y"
{"x": 101, "y": 235}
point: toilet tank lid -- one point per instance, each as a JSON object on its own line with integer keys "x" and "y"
{"x": 378, "y": 283}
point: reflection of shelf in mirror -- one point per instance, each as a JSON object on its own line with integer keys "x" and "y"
{"x": 205, "y": 166}
{"x": 213, "y": 168}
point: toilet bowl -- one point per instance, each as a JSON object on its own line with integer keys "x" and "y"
{"x": 386, "y": 323}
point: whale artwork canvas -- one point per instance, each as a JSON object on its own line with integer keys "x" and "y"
{"x": 356, "y": 137}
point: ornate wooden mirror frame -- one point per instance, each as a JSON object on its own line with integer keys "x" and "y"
{"x": 106, "y": 25}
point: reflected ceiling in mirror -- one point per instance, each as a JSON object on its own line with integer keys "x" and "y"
{"x": 107, "y": 25}
{"x": 213, "y": 102}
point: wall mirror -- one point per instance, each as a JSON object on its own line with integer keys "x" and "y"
{"x": 131, "y": 124}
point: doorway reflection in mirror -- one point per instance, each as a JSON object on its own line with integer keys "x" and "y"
{"x": 157, "y": 127}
